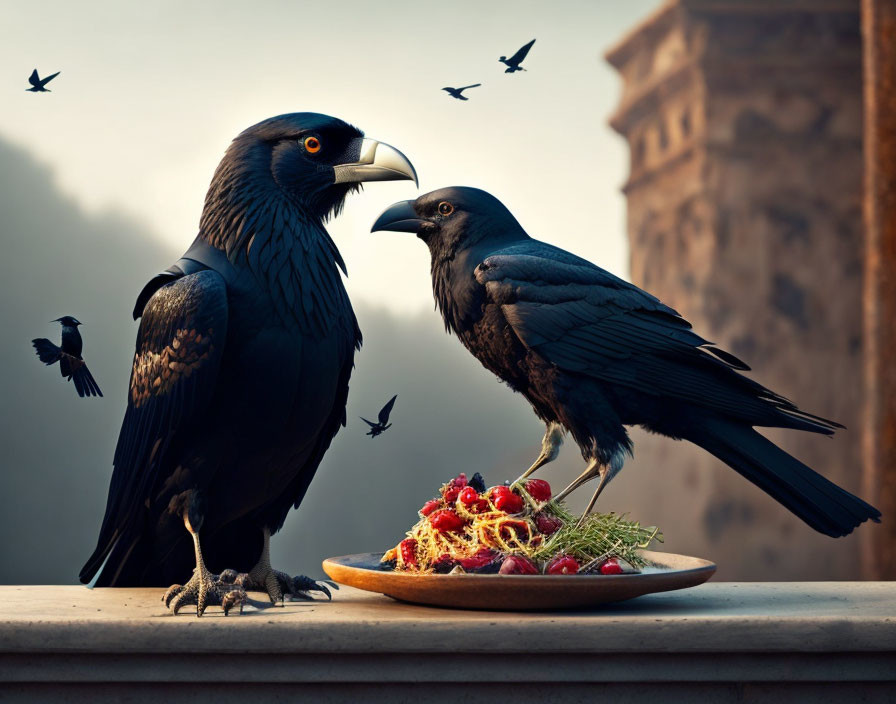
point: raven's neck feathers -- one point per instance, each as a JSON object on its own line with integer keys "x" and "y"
{"x": 264, "y": 229}
{"x": 245, "y": 208}
{"x": 458, "y": 296}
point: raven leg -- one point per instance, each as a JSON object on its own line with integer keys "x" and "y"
{"x": 204, "y": 588}
{"x": 550, "y": 448}
{"x": 264, "y": 578}
{"x": 591, "y": 471}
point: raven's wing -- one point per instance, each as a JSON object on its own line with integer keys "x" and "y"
{"x": 46, "y": 350}
{"x": 585, "y": 320}
{"x": 49, "y": 78}
{"x": 386, "y": 410}
{"x": 475, "y": 85}
{"x": 518, "y": 57}
{"x": 34, "y": 79}
{"x": 174, "y": 374}
{"x": 372, "y": 425}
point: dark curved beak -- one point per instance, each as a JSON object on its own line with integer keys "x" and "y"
{"x": 374, "y": 161}
{"x": 399, "y": 217}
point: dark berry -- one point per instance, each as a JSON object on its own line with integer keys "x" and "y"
{"x": 477, "y": 483}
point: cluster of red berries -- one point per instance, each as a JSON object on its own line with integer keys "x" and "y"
{"x": 461, "y": 501}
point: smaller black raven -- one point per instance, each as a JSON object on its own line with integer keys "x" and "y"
{"x": 594, "y": 354}
{"x": 38, "y": 84}
{"x": 384, "y": 424}
{"x": 456, "y": 92}
{"x": 513, "y": 63}
{"x": 71, "y": 364}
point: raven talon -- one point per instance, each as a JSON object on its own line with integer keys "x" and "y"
{"x": 205, "y": 589}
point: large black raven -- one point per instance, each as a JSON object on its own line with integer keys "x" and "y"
{"x": 71, "y": 364}
{"x": 593, "y": 353}
{"x": 241, "y": 372}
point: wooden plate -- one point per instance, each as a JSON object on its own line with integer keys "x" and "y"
{"x": 519, "y": 592}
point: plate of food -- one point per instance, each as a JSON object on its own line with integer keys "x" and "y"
{"x": 514, "y": 548}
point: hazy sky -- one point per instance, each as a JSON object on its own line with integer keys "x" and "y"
{"x": 151, "y": 93}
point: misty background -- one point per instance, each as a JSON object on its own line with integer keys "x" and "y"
{"x": 102, "y": 183}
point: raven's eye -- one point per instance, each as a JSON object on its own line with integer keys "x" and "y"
{"x": 445, "y": 208}
{"x": 312, "y": 145}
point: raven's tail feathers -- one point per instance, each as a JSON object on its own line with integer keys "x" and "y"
{"x": 84, "y": 382}
{"x": 820, "y": 503}
{"x": 46, "y": 350}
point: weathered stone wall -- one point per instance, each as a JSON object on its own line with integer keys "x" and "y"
{"x": 745, "y": 214}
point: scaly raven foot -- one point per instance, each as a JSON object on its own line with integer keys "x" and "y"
{"x": 205, "y": 589}
{"x": 277, "y": 585}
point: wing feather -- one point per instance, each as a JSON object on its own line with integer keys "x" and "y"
{"x": 179, "y": 348}
{"x": 585, "y": 320}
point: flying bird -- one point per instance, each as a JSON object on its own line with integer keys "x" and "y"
{"x": 383, "y": 425}
{"x": 513, "y": 63}
{"x": 71, "y": 365}
{"x": 240, "y": 375}
{"x": 593, "y": 354}
{"x": 457, "y": 92}
{"x": 38, "y": 84}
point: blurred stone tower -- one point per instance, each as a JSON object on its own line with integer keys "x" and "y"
{"x": 744, "y": 119}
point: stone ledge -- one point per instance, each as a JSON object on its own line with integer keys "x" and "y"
{"x": 721, "y": 642}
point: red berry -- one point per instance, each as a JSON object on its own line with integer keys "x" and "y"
{"x": 408, "y": 548}
{"x": 517, "y": 564}
{"x": 548, "y": 525}
{"x": 563, "y": 564}
{"x": 480, "y": 506}
{"x": 468, "y": 496}
{"x": 446, "y": 520}
{"x": 505, "y": 500}
{"x": 482, "y": 557}
{"x": 451, "y": 494}
{"x": 429, "y": 507}
{"x": 611, "y": 566}
{"x": 539, "y": 489}
{"x": 459, "y": 482}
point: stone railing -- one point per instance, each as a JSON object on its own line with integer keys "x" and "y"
{"x": 720, "y": 642}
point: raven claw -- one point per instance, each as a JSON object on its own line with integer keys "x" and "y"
{"x": 278, "y": 585}
{"x": 206, "y": 589}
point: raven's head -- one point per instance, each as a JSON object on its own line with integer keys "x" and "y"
{"x": 68, "y": 321}
{"x": 452, "y": 219}
{"x": 312, "y": 161}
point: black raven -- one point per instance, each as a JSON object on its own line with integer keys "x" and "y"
{"x": 240, "y": 376}
{"x": 593, "y": 353}
{"x": 71, "y": 365}
{"x": 457, "y": 92}
{"x": 38, "y": 84}
{"x": 513, "y": 63}
{"x": 383, "y": 425}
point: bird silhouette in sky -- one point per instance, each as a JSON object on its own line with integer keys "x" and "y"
{"x": 384, "y": 424}
{"x": 38, "y": 84}
{"x": 71, "y": 364}
{"x": 513, "y": 63}
{"x": 456, "y": 92}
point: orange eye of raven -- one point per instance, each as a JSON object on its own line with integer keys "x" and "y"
{"x": 445, "y": 208}
{"x": 312, "y": 145}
